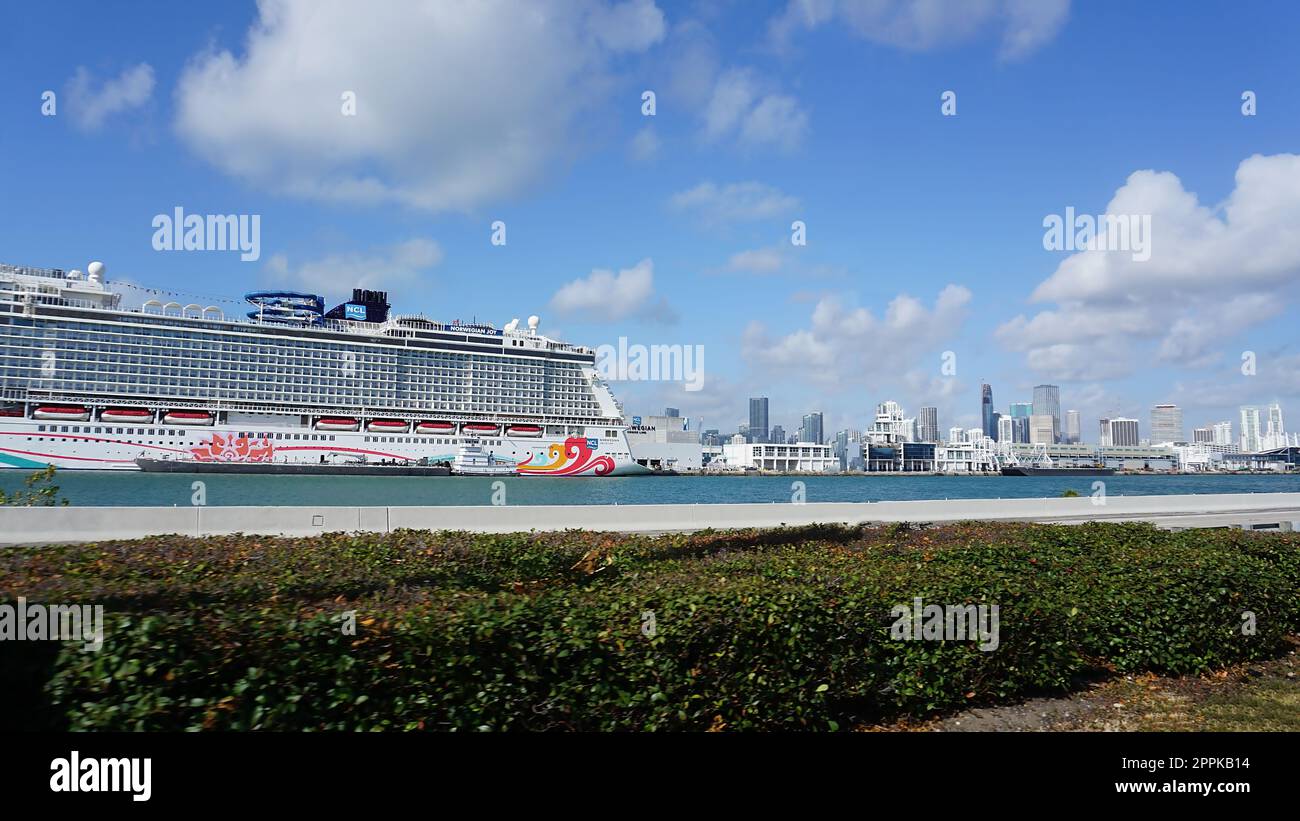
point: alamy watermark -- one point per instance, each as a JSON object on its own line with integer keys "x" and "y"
{"x": 950, "y": 622}
{"x": 653, "y": 363}
{"x": 1105, "y": 232}
{"x": 77, "y": 774}
{"x": 179, "y": 231}
{"x": 53, "y": 622}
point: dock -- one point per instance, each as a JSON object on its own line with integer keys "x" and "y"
{"x": 58, "y": 525}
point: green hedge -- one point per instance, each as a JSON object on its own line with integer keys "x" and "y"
{"x": 777, "y": 629}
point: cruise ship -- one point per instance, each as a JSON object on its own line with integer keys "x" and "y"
{"x": 87, "y": 383}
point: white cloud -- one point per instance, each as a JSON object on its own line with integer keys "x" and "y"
{"x": 842, "y": 346}
{"x": 90, "y": 106}
{"x": 645, "y": 145}
{"x": 757, "y": 261}
{"x": 1213, "y": 271}
{"x": 922, "y": 25}
{"x": 457, "y": 104}
{"x": 338, "y": 274}
{"x": 634, "y": 25}
{"x": 604, "y": 296}
{"x": 734, "y": 202}
{"x": 739, "y": 106}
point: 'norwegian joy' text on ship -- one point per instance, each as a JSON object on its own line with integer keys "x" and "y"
{"x": 86, "y": 383}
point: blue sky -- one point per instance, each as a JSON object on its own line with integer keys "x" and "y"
{"x": 825, "y": 112}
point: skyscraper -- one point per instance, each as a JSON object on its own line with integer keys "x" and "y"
{"x": 811, "y": 430}
{"x": 928, "y": 420}
{"x": 1047, "y": 401}
{"x": 1203, "y": 436}
{"x": 1073, "y": 434}
{"x": 1124, "y": 432}
{"x": 1020, "y": 413}
{"x": 1020, "y": 429}
{"x": 1006, "y": 429}
{"x": 1223, "y": 433}
{"x": 672, "y": 413}
{"x": 1042, "y": 429}
{"x": 1275, "y": 420}
{"x": 777, "y": 434}
{"x": 986, "y": 411}
{"x": 1250, "y": 439}
{"x": 758, "y": 419}
{"x": 1166, "y": 424}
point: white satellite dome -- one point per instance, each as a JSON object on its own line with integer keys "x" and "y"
{"x": 533, "y": 321}
{"x": 96, "y": 271}
{"x": 74, "y": 274}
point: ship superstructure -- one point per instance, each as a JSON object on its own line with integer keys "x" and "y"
{"x": 88, "y": 383}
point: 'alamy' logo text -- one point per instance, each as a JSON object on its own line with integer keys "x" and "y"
{"x": 209, "y": 232}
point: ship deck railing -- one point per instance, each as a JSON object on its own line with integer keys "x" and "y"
{"x": 362, "y": 411}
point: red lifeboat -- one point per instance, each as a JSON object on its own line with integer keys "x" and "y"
{"x": 480, "y": 429}
{"x": 531, "y": 431}
{"x": 126, "y": 415}
{"x": 436, "y": 428}
{"x": 387, "y": 426}
{"x": 62, "y": 413}
{"x": 186, "y": 417}
{"x": 337, "y": 423}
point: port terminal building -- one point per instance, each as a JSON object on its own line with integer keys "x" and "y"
{"x": 665, "y": 443}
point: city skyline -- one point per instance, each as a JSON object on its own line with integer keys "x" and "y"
{"x": 1261, "y": 427}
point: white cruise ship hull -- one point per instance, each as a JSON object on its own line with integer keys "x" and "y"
{"x": 33, "y": 444}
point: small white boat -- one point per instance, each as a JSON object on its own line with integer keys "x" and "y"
{"x": 337, "y": 423}
{"x": 472, "y": 460}
{"x": 62, "y": 413}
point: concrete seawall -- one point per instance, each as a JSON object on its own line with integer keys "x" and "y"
{"x": 53, "y": 525}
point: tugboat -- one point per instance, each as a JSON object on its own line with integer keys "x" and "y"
{"x": 472, "y": 461}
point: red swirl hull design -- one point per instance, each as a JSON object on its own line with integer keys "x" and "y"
{"x": 573, "y": 458}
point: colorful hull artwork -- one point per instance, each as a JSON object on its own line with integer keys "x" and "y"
{"x": 33, "y": 444}
{"x": 233, "y": 449}
{"x": 576, "y": 456}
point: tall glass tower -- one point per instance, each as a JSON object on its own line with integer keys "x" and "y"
{"x": 1047, "y": 402}
{"x": 986, "y": 411}
{"x": 758, "y": 419}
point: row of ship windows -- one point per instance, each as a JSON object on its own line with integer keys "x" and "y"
{"x": 472, "y": 393}
{"x": 70, "y": 370}
{"x": 41, "y": 364}
{"x": 120, "y": 431}
{"x": 90, "y": 338}
{"x": 548, "y": 410}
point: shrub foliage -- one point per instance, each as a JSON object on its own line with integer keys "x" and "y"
{"x": 770, "y": 629}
